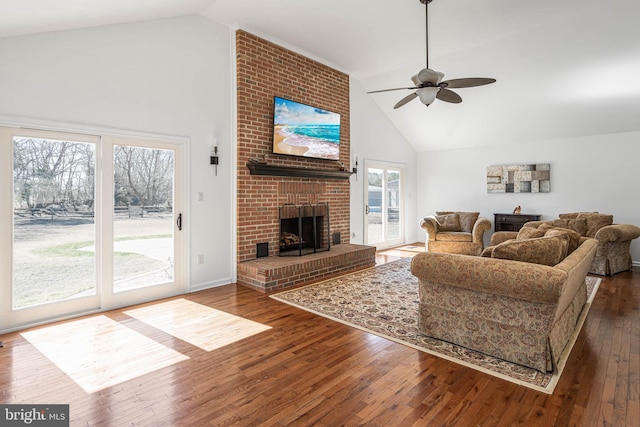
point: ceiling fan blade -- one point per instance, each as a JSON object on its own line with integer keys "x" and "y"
{"x": 405, "y": 100}
{"x": 389, "y": 90}
{"x": 469, "y": 82}
{"x": 447, "y": 95}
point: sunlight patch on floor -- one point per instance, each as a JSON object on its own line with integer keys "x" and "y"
{"x": 98, "y": 352}
{"x": 197, "y": 324}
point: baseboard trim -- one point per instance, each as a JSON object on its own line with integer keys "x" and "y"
{"x": 209, "y": 285}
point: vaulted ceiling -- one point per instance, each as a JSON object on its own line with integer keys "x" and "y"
{"x": 564, "y": 69}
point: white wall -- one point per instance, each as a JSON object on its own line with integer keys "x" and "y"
{"x": 598, "y": 173}
{"x": 172, "y": 78}
{"x": 374, "y": 137}
{"x": 167, "y": 78}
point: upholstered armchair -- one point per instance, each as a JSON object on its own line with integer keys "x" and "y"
{"x": 455, "y": 232}
{"x": 614, "y": 240}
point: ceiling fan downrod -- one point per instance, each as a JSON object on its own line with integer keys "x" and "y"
{"x": 426, "y": 25}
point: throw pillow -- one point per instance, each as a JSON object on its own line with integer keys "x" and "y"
{"x": 487, "y": 252}
{"x": 578, "y": 225}
{"x": 563, "y": 234}
{"x": 574, "y": 236}
{"x": 572, "y": 215}
{"x": 467, "y": 219}
{"x": 450, "y": 222}
{"x": 529, "y": 233}
{"x": 541, "y": 250}
{"x": 595, "y": 222}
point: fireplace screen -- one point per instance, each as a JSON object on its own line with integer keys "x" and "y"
{"x": 304, "y": 229}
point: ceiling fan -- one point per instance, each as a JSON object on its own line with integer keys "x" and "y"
{"x": 428, "y": 83}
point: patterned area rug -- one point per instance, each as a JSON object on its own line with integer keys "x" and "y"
{"x": 383, "y": 300}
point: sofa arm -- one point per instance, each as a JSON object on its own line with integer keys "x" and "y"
{"x": 526, "y": 281}
{"x": 481, "y": 226}
{"x": 430, "y": 224}
{"x": 502, "y": 236}
{"x": 617, "y": 232}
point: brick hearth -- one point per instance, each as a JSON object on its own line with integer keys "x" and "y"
{"x": 274, "y": 273}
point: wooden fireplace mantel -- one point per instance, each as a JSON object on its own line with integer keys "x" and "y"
{"x": 290, "y": 171}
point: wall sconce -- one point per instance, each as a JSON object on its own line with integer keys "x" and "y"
{"x": 213, "y": 159}
{"x": 355, "y": 168}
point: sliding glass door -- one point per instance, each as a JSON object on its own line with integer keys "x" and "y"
{"x": 145, "y": 220}
{"x": 384, "y": 199}
{"x": 91, "y": 223}
{"x": 50, "y": 190}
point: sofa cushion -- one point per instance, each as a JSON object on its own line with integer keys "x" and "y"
{"x": 548, "y": 250}
{"x": 454, "y": 236}
{"x": 573, "y": 236}
{"x": 448, "y": 222}
{"x": 595, "y": 221}
{"x": 467, "y": 219}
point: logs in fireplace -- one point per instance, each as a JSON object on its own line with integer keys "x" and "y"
{"x": 304, "y": 229}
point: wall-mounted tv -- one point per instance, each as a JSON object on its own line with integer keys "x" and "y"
{"x": 303, "y": 130}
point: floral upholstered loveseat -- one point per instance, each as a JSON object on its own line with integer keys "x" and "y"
{"x": 523, "y": 311}
{"x": 614, "y": 240}
{"x": 455, "y": 232}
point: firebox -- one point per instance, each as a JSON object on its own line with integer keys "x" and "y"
{"x": 304, "y": 229}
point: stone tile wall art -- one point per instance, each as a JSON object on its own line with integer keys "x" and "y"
{"x": 531, "y": 178}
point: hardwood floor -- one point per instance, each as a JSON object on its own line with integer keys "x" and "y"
{"x": 262, "y": 362}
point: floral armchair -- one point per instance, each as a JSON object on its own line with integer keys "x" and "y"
{"x": 614, "y": 240}
{"x": 455, "y": 232}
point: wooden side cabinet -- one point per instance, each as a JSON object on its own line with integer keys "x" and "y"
{"x": 511, "y": 222}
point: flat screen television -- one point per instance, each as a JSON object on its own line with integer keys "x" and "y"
{"x": 306, "y": 131}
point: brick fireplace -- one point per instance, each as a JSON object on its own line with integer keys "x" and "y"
{"x": 265, "y": 70}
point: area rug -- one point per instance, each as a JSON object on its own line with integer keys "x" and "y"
{"x": 383, "y": 300}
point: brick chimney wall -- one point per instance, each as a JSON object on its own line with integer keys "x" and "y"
{"x": 265, "y": 70}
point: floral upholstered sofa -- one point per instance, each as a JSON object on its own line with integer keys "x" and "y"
{"x": 614, "y": 240}
{"x": 519, "y": 302}
{"x": 455, "y": 232}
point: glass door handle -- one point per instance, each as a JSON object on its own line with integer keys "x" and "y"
{"x": 366, "y": 211}
{"x": 179, "y": 222}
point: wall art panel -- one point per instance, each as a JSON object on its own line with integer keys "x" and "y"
{"x": 529, "y": 178}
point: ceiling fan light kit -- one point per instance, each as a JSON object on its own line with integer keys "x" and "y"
{"x": 427, "y": 94}
{"x": 428, "y": 84}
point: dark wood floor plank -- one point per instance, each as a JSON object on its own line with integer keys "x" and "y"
{"x": 308, "y": 370}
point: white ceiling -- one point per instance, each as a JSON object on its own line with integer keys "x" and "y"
{"x": 564, "y": 69}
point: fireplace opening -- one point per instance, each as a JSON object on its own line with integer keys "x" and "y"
{"x": 304, "y": 229}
